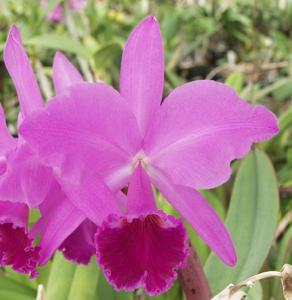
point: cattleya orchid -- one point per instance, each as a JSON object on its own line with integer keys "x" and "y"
{"x": 99, "y": 141}
{"x": 24, "y": 181}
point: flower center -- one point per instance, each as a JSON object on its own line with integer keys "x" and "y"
{"x": 140, "y": 157}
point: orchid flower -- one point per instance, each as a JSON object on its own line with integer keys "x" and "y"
{"x": 24, "y": 180}
{"x": 56, "y": 15}
{"x": 94, "y": 134}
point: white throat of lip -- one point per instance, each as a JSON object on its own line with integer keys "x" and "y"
{"x": 140, "y": 157}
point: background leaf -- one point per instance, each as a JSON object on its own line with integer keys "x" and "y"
{"x": 251, "y": 220}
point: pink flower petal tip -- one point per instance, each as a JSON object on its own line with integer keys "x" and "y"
{"x": 17, "y": 251}
{"x": 130, "y": 251}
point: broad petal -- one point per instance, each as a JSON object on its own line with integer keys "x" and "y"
{"x": 130, "y": 251}
{"x": 65, "y": 73}
{"x": 25, "y": 179}
{"x": 20, "y": 70}
{"x": 200, "y": 128}
{"x": 16, "y": 247}
{"x": 79, "y": 245}
{"x": 142, "y": 71}
{"x": 7, "y": 142}
{"x": 59, "y": 218}
{"x": 93, "y": 197}
{"x": 199, "y": 214}
{"x": 140, "y": 195}
{"x": 89, "y": 129}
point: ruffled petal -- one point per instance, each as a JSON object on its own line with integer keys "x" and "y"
{"x": 142, "y": 71}
{"x": 200, "y": 128}
{"x": 89, "y": 129}
{"x": 199, "y": 214}
{"x": 79, "y": 245}
{"x": 16, "y": 247}
{"x": 25, "y": 179}
{"x": 20, "y": 70}
{"x": 59, "y": 218}
{"x": 64, "y": 73}
{"x": 130, "y": 251}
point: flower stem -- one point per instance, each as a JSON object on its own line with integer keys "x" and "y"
{"x": 192, "y": 278}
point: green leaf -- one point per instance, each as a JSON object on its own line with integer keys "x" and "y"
{"x": 8, "y": 284}
{"x": 84, "y": 283}
{"x": 59, "y": 42}
{"x": 60, "y": 279}
{"x": 235, "y": 80}
{"x": 105, "y": 291}
{"x": 255, "y": 292}
{"x": 251, "y": 220}
{"x": 10, "y": 295}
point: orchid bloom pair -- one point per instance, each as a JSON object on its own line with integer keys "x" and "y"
{"x": 95, "y": 141}
{"x": 24, "y": 180}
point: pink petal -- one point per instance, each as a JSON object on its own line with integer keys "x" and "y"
{"x": 89, "y": 129}
{"x": 64, "y": 73}
{"x": 16, "y": 247}
{"x": 20, "y": 70}
{"x": 199, "y": 214}
{"x": 140, "y": 198}
{"x": 56, "y": 15}
{"x": 200, "y": 128}
{"x": 79, "y": 245}
{"x": 77, "y": 5}
{"x": 7, "y": 142}
{"x": 25, "y": 179}
{"x": 59, "y": 219}
{"x": 145, "y": 251}
{"x": 92, "y": 197}
{"x": 142, "y": 71}
{"x": 16, "y": 213}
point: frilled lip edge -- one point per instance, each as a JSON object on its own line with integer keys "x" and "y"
{"x": 18, "y": 260}
{"x": 168, "y": 221}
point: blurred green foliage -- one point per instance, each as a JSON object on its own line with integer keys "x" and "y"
{"x": 246, "y": 44}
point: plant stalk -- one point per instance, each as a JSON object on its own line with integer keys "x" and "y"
{"x": 192, "y": 278}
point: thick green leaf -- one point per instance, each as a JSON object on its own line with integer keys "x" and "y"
{"x": 59, "y": 42}
{"x": 8, "y": 284}
{"x": 84, "y": 283}
{"x": 60, "y": 279}
{"x": 251, "y": 220}
{"x": 10, "y": 295}
{"x": 105, "y": 291}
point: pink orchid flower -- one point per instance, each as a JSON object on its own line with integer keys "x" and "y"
{"x": 56, "y": 15}
{"x": 24, "y": 180}
{"x": 93, "y": 134}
